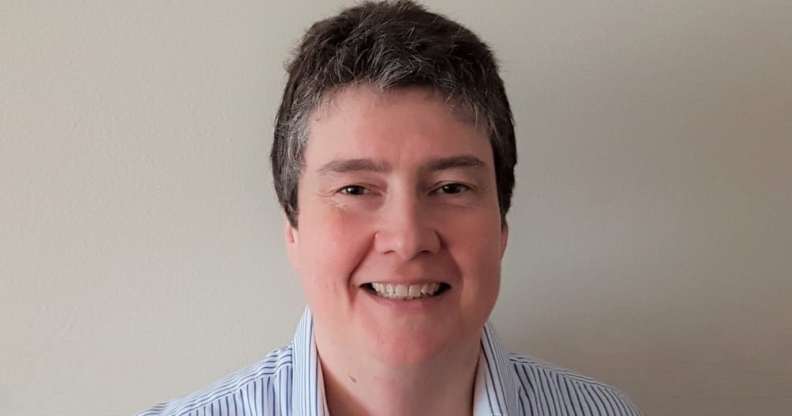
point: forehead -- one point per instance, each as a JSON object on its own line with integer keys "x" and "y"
{"x": 364, "y": 121}
{"x": 362, "y": 95}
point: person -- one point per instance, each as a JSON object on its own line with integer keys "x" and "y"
{"x": 393, "y": 159}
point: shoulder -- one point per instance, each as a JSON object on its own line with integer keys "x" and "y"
{"x": 549, "y": 390}
{"x": 264, "y": 385}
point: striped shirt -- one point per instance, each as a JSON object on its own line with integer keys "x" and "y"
{"x": 288, "y": 382}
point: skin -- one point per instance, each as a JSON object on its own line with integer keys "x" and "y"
{"x": 397, "y": 188}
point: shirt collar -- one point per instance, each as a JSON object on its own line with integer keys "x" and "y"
{"x": 308, "y": 385}
{"x": 495, "y": 391}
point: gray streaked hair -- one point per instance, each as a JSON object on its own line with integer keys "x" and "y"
{"x": 390, "y": 44}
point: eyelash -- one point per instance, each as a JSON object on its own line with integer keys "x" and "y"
{"x": 445, "y": 186}
{"x": 345, "y": 190}
{"x": 359, "y": 190}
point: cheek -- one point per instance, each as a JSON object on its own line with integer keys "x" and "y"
{"x": 483, "y": 264}
{"x": 331, "y": 246}
{"x": 477, "y": 250}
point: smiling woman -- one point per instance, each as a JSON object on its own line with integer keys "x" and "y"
{"x": 142, "y": 249}
{"x": 429, "y": 215}
{"x": 393, "y": 158}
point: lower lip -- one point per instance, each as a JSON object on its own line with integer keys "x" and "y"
{"x": 412, "y": 304}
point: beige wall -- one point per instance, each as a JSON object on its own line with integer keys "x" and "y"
{"x": 140, "y": 252}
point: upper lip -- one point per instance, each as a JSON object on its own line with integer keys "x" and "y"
{"x": 405, "y": 282}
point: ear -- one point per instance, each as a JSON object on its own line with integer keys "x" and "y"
{"x": 292, "y": 238}
{"x": 504, "y": 239}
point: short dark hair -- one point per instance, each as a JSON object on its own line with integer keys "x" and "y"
{"x": 390, "y": 44}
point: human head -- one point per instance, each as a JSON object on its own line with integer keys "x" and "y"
{"x": 395, "y": 119}
{"x": 391, "y": 44}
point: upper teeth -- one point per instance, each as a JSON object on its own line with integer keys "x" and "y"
{"x": 392, "y": 291}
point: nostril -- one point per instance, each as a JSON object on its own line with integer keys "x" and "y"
{"x": 407, "y": 242}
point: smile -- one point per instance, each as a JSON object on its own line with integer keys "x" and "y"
{"x": 405, "y": 292}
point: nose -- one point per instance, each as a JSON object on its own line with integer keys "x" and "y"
{"x": 405, "y": 229}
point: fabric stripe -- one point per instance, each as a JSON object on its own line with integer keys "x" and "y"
{"x": 288, "y": 382}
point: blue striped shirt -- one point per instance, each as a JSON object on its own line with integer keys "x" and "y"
{"x": 288, "y": 382}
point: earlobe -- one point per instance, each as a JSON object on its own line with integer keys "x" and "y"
{"x": 291, "y": 237}
{"x": 289, "y": 233}
{"x": 504, "y": 239}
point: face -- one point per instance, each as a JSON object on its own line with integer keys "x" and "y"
{"x": 399, "y": 238}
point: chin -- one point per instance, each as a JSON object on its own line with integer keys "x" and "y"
{"x": 413, "y": 347}
{"x": 405, "y": 353}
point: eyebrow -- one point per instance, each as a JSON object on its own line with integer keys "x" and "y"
{"x": 453, "y": 162}
{"x": 353, "y": 165}
{"x": 369, "y": 165}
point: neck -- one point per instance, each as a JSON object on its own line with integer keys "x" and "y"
{"x": 443, "y": 385}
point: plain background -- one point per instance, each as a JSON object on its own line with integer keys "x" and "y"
{"x": 651, "y": 235}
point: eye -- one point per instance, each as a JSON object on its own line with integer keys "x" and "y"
{"x": 353, "y": 190}
{"x": 453, "y": 188}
